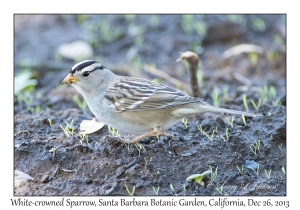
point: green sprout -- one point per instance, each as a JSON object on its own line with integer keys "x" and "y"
{"x": 223, "y": 138}
{"x": 253, "y": 58}
{"x": 256, "y": 107}
{"x": 69, "y": 129}
{"x": 245, "y": 102}
{"x": 280, "y": 146}
{"x": 132, "y": 192}
{"x": 26, "y": 97}
{"x": 267, "y": 93}
{"x": 268, "y": 174}
{"x": 272, "y": 55}
{"x": 81, "y": 105}
{"x": 227, "y": 135}
{"x": 220, "y": 190}
{"x": 138, "y": 148}
{"x": 225, "y": 93}
{"x": 276, "y": 103}
{"x": 113, "y": 132}
{"x": 83, "y": 136}
{"x": 204, "y": 133}
{"x": 241, "y": 170}
{"x": 198, "y": 177}
{"x": 53, "y": 149}
{"x": 244, "y": 120}
{"x": 216, "y": 99}
{"x": 156, "y": 190}
{"x": 185, "y": 121}
{"x": 230, "y": 121}
{"x": 50, "y": 122}
{"x": 127, "y": 146}
{"x": 18, "y": 186}
{"x": 154, "y": 20}
{"x": 213, "y": 175}
{"x": 256, "y": 172}
{"x": 184, "y": 187}
{"x": 256, "y": 147}
{"x": 172, "y": 188}
{"x": 283, "y": 169}
{"x": 259, "y": 24}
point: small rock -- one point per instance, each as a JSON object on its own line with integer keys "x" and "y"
{"x": 77, "y": 50}
{"x": 251, "y": 164}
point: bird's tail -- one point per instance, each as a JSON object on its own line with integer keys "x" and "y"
{"x": 230, "y": 111}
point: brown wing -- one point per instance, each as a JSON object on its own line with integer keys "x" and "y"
{"x": 134, "y": 94}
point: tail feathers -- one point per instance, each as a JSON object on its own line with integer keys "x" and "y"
{"x": 230, "y": 111}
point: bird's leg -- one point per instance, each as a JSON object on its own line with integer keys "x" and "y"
{"x": 157, "y": 130}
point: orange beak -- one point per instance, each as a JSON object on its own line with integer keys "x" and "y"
{"x": 69, "y": 79}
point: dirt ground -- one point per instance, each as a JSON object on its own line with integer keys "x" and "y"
{"x": 246, "y": 158}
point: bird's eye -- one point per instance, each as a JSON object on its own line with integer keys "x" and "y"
{"x": 86, "y": 73}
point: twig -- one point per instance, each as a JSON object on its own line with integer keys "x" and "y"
{"x": 193, "y": 60}
{"x": 241, "y": 78}
{"x": 22, "y": 131}
{"x": 159, "y": 73}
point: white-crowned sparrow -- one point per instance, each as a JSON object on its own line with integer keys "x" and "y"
{"x": 135, "y": 105}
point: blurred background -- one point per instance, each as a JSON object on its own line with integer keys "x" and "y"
{"x": 236, "y": 52}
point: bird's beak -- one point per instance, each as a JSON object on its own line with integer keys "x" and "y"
{"x": 69, "y": 79}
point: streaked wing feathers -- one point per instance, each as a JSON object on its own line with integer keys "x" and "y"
{"x": 134, "y": 94}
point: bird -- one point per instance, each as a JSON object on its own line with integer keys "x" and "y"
{"x": 135, "y": 105}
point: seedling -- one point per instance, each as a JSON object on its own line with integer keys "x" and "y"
{"x": 283, "y": 169}
{"x": 53, "y": 151}
{"x": 267, "y": 93}
{"x": 185, "y": 121}
{"x": 138, "y": 148}
{"x": 113, "y": 131}
{"x": 253, "y": 58}
{"x": 172, "y": 188}
{"x": 276, "y": 103}
{"x": 244, "y": 120}
{"x": 230, "y": 121}
{"x": 204, "y": 133}
{"x": 253, "y": 150}
{"x": 245, "y": 102}
{"x": 26, "y": 97}
{"x": 155, "y": 190}
{"x": 259, "y": 24}
{"x": 81, "y": 105}
{"x": 256, "y": 147}
{"x": 241, "y": 170}
{"x": 223, "y": 138}
{"x": 50, "y": 122}
{"x": 198, "y": 177}
{"x": 220, "y": 190}
{"x": 256, "y": 107}
{"x": 184, "y": 187}
{"x": 83, "y": 136}
{"x": 227, "y": 135}
{"x": 213, "y": 175}
{"x": 225, "y": 93}
{"x": 132, "y": 192}
{"x": 215, "y": 96}
{"x": 69, "y": 129}
{"x": 257, "y": 170}
{"x": 213, "y": 132}
{"x": 280, "y": 146}
{"x": 268, "y": 174}
{"x": 18, "y": 186}
{"x": 127, "y": 146}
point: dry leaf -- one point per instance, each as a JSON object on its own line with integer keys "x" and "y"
{"x": 90, "y": 126}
